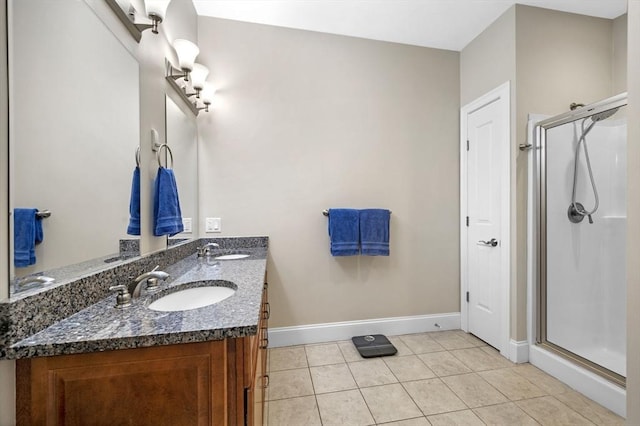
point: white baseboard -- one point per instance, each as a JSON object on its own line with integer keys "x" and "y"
{"x": 518, "y": 351}
{"x": 329, "y": 332}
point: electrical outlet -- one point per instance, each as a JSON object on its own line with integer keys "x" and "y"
{"x": 186, "y": 223}
{"x": 213, "y": 224}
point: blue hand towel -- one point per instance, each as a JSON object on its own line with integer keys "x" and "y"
{"x": 374, "y": 232}
{"x": 134, "y": 204}
{"x": 344, "y": 232}
{"x": 167, "y": 216}
{"x": 27, "y": 232}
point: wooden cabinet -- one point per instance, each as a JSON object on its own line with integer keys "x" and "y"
{"x": 164, "y": 385}
{"x": 208, "y": 383}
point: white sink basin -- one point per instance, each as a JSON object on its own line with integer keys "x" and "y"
{"x": 234, "y": 256}
{"x": 192, "y": 298}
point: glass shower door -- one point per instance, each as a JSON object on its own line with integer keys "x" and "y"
{"x": 583, "y": 239}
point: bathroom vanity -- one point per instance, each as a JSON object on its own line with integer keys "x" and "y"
{"x": 108, "y": 365}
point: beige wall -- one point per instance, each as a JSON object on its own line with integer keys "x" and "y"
{"x": 308, "y": 121}
{"x": 633, "y": 222}
{"x": 490, "y": 59}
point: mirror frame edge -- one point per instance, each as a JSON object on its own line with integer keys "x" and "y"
{"x": 4, "y": 159}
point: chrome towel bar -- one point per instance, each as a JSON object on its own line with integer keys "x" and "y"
{"x": 42, "y": 214}
{"x": 326, "y": 212}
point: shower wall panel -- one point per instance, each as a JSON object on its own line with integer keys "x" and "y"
{"x": 586, "y": 281}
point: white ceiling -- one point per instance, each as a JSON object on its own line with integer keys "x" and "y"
{"x": 442, "y": 24}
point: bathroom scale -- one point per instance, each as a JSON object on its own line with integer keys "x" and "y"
{"x": 374, "y": 345}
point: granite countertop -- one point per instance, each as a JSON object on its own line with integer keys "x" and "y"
{"x": 102, "y": 327}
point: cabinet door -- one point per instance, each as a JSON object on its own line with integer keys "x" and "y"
{"x": 173, "y": 385}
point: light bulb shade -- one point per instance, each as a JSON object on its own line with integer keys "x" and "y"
{"x": 187, "y": 52}
{"x": 157, "y": 8}
{"x": 207, "y": 94}
{"x": 199, "y": 74}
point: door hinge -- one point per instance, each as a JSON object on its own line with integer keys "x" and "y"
{"x": 467, "y": 297}
{"x": 467, "y": 144}
{"x": 467, "y": 220}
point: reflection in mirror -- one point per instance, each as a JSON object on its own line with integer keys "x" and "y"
{"x": 182, "y": 137}
{"x": 74, "y": 108}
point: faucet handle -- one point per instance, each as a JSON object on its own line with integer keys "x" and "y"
{"x": 153, "y": 284}
{"x": 123, "y": 299}
{"x": 205, "y": 250}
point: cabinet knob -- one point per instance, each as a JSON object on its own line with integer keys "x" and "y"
{"x": 266, "y": 313}
{"x": 264, "y": 343}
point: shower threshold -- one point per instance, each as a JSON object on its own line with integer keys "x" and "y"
{"x": 601, "y": 371}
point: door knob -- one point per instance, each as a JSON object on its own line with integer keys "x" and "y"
{"x": 492, "y": 242}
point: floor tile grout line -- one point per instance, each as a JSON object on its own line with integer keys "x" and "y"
{"x": 562, "y": 403}
{"x": 404, "y": 420}
{"x": 506, "y": 396}
{"x": 457, "y": 411}
{"x": 482, "y": 378}
{"x": 502, "y": 403}
{"x": 367, "y": 405}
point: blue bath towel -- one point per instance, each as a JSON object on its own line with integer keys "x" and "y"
{"x": 374, "y": 232}
{"x": 134, "y": 204}
{"x": 27, "y": 232}
{"x": 167, "y": 216}
{"x": 344, "y": 232}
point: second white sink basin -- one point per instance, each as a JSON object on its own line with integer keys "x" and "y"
{"x": 233, "y": 256}
{"x": 192, "y": 298}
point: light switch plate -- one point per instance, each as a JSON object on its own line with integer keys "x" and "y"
{"x": 186, "y": 223}
{"x": 213, "y": 224}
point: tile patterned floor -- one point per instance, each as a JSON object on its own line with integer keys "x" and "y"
{"x": 440, "y": 378}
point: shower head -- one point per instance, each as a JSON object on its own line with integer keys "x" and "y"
{"x": 604, "y": 114}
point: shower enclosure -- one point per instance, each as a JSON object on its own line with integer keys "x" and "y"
{"x": 580, "y": 222}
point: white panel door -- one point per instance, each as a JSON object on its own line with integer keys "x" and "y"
{"x": 485, "y": 133}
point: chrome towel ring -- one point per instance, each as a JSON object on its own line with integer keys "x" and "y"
{"x": 138, "y": 156}
{"x": 165, "y": 146}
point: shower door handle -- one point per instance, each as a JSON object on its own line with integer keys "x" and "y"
{"x": 491, "y": 243}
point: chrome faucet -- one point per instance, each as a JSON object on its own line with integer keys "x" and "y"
{"x": 150, "y": 277}
{"x": 206, "y": 249}
{"x": 125, "y": 295}
{"x": 23, "y": 282}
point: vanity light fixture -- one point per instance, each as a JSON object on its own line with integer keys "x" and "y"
{"x": 155, "y": 11}
{"x": 200, "y": 95}
{"x": 199, "y": 74}
{"x": 207, "y": 97}
{"x": 186, "y": 52}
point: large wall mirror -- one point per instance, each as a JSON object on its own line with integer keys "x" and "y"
{"x": 74, "y": 129}
{"x": 182, "y": 137}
